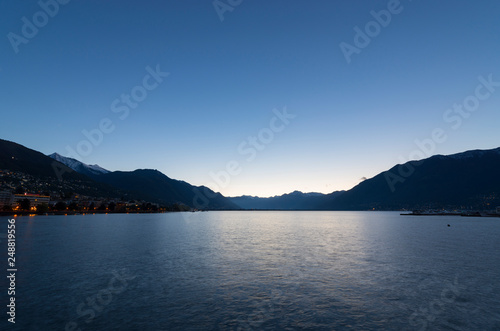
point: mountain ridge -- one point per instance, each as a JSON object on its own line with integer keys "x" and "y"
{"x": 466, "y": 180}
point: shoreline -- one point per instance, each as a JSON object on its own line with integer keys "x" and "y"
{"x": 477, "y": 214}
{"x": 71, "y": 213}
{"x": 67, "y": 213}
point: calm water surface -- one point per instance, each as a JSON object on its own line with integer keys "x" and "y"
{"x": 256, "y": 271}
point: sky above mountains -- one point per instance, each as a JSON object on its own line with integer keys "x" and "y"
{"x": 251, "y": 97}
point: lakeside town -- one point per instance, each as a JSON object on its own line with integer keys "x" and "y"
{"x": 21, "y": 193}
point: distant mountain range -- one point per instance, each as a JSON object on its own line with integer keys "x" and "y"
{"x": 469, "y": 180}
{"x": 291, "y": 201}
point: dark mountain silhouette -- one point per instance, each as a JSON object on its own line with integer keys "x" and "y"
{"x": 469, "y": 180}
{"x": 153, "y": 185}
{"x": 291, "y": 201}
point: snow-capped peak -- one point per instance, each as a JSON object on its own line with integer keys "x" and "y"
{"x": 78, "y": 166}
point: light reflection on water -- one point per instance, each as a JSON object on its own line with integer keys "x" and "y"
{"x": 261, "y": 270}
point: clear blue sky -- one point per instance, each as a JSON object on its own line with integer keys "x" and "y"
{"x": 352, "y": 120}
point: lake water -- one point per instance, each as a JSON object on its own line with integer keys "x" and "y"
{"x": 256, "y": 271}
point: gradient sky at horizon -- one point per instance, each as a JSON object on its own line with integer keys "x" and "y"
{"x": 353, "y": 120}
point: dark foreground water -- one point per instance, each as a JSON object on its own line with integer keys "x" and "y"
{"x": 255, "y": 271}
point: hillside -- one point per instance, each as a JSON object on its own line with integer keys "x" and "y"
{"x": 469, "y": 180}
{"x": 37, "y": 172}
{"x": 16, "y": 157}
